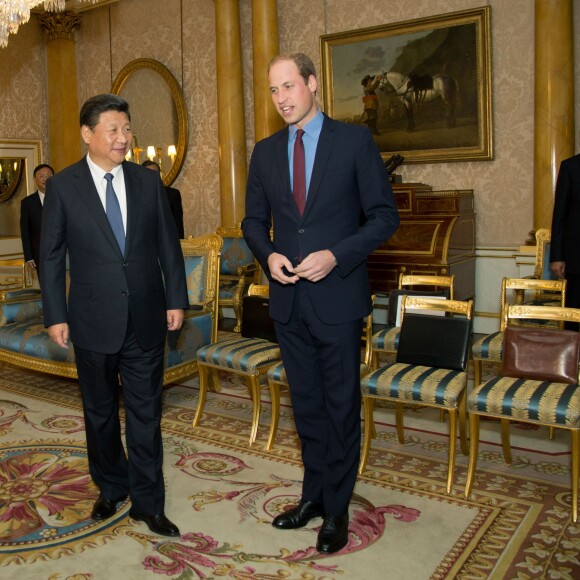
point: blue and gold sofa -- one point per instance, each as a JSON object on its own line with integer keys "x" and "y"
{"x": 24, "y": 341}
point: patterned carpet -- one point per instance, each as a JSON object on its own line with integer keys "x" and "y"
{"x": 223, "y": 494}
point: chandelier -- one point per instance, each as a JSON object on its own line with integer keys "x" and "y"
{"x": 13, "y": 13}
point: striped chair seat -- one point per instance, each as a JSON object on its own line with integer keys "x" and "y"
{"x": 488, "y": 347}
{"x": 386, "y": 339}
{"x": 277, "y": 372}
{"x": 402, "y": 382}
{"x": 246, "y": 355}
{"x": 541, "y": 402}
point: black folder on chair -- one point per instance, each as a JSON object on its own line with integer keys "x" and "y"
{"x": 256, "y": 321}
{"x": 434, "y": 341}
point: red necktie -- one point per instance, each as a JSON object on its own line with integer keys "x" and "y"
{"x": 299, "y": 174}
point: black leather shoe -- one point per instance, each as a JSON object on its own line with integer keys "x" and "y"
{"x": 333, "y": 535}
{"x": 298, "y": 516}
{"x": 157, "y": 523}
{"x": 106, "y": 508}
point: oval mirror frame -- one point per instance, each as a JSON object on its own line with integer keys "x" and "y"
{"x": 178, "y": 100}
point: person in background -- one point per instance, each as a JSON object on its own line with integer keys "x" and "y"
{"x": 127, "y": 289}
{"x": 565, "y": 234}
{"x": 31, "y": 217}
{"x": 173, "y": 196}
{"x": 323, "y": 186}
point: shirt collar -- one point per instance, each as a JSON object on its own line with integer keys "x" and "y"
{"x": 99, "y": 172}
{"x": 312, "y": 128}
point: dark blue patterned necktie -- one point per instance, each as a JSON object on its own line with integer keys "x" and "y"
{"x": 114, "y": 213}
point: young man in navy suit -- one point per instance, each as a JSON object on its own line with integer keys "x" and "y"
{"x": 127, "y": 289}
{"x": 31, "y": 217}
{"x": 319, "y": 287}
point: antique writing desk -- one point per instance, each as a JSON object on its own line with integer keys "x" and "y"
{"x": 436, "y": 237}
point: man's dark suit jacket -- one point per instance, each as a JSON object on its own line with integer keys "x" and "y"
{"x": 30, "y": 226}
{"x": 565, "y": 236}
{"x": 150, "y": 277}
{"x": 174, "y": 198}
{"x": 349, "y": 217}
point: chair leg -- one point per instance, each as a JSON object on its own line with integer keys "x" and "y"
{"x": 452, "y": 447}
{"x": 463, "y": 424}
{"x": 473, "y": 450}
{"x": 376, "y": 360}
{"x": 275, "y": 399}
{"x": 203, "y": 385}
{"x": 505, "y": 441}
{"x": 399, "y": 421}
{"x": 253, "y": 383}
{"x": 368, "y": 404}
{"x": 238, "y": 313}
{"x": 575, "y": 471}
{"x": 551, "y": 433}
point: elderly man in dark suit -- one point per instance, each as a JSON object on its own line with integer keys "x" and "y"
{"x": 565, "y": 235}
{"x": 324, "y": 187}
{"x": 31, "y": 216}
{"x": 127, "y": 289}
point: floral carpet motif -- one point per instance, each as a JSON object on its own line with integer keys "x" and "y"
{"x": 223, "y": 495}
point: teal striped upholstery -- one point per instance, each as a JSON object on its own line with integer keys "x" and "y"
{"x": 20, "y": 311}
{"x": 278, "y": 373}
{"x": 540, "y": 402}
{"x": 415, "y": 383}
{"x": 387, "y": 339}
{"x": 489, "y": 347}
{"x": 244, "y": 355}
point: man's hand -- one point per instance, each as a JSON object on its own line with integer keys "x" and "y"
{"x": 558, "y": 268}
{"x": 59, "y": 333}
{"x": 174, "y": 319}
{"x": 30, "y": 265}
{"x": 275, "y": 264}
{"x": 316, "y": 266}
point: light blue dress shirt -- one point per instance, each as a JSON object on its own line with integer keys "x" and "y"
{"x": 310, "y": 139}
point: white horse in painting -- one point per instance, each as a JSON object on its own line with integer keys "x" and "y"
{"x": 414, "y": 90}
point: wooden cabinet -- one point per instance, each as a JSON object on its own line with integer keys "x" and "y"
{"x": 436, "y": 236}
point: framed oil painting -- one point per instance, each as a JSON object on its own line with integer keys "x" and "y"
{"x": 422, "y": 86}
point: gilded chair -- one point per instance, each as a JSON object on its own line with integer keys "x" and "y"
{"x": 489, "y": 348}
{"x": 533, "y": 396}
{"x": 247, "y": 357}
{"x": 238, "y": 269}
{"x": 386, "y": 340}
{"x": 430, "y": 370}
{"x": 277, "y": 380}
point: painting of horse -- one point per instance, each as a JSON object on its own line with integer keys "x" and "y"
{"x": 414, "y": 90}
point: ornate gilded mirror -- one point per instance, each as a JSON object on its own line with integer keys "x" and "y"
{"x": 11, "y": 169}
{"x": 158, "y": 115}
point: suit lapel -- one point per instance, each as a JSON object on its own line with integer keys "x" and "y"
{"x": 281, "y": 153}
{"x": 321, "y": 158}
{"x": 132, "y": 189}
{"x": 90, "y": 197}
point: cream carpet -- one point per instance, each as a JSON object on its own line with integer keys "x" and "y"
{"x": 223, "y": 494}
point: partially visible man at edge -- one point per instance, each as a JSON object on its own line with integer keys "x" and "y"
{"x": 31, "y": 218}
{"x": 127, "y": 289}
{"x": 319, "y": 287}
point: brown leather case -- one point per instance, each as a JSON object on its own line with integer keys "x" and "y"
{"x": 541, "y": 354}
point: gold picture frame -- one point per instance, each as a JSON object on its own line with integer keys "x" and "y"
{"x": 422, "y": 86}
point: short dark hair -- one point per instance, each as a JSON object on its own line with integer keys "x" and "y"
{"x": 305, "y": 65}
{"x": 150, "y": 163}
{"x": 93, "y": 107}
{"x": 42, "y": 166}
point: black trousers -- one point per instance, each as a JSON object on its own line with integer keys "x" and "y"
{"x": 322, "y": 364}
{"x": 139, "y": 473}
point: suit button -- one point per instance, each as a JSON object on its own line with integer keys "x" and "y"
{"x": 124, "y": 293}
{"x": 125, "y": 264}
{"x": 300, "y": 231}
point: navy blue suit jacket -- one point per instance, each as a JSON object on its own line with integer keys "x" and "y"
{"x": 565, "y": 236}
{"x": 105, "y": 285}
{"x": 350, "y": 210}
